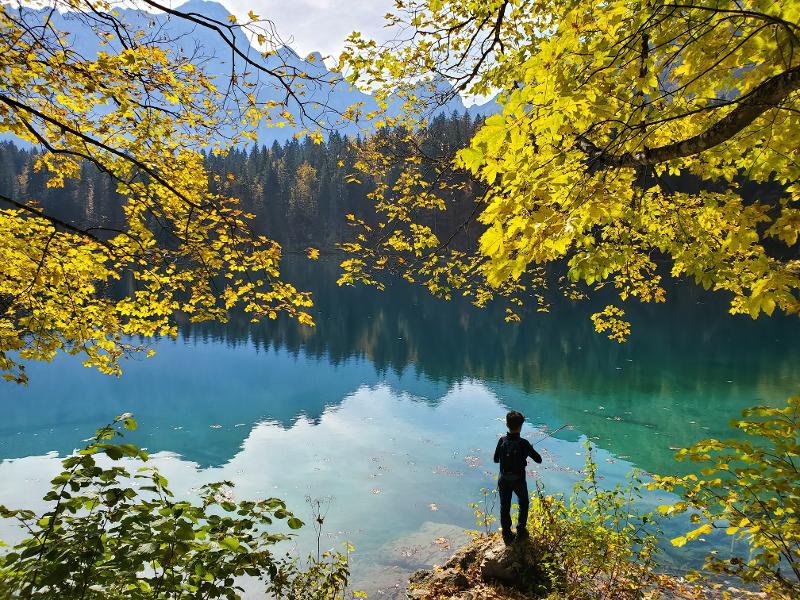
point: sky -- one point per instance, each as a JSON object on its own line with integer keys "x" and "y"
{"x": 305, "y": 25}
{"x": 317, "y": 25}
{"x": 322, "y": 25}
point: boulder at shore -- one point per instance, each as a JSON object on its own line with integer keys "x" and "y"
{"x": 485, "y": 568}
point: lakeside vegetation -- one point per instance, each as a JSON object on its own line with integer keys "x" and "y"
{"x": 596, "y": 543}
{"x": 116, "y": 530}
{"x": 139, "y": 183}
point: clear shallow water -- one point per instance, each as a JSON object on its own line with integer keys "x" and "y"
{"x": 392, "y": 406}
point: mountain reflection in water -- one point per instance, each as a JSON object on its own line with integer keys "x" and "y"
{"x": 392, "y": 405}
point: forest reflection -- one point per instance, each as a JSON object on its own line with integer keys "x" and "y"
{"x": 672, "y": 346}
{"x": 688, "y": 369}
{"x": 687, "y": 363}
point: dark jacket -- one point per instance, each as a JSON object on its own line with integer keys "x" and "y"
{"x": 527, "y": 451}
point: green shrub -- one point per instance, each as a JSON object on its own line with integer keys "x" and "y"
{"x": 322, "y": 578}
{"x": 751, "y": 489}
{"x": 595, "y": 544}
{"x": 112, "y": 533}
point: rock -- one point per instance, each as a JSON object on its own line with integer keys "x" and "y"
{"x": 474, "y": 572}
{"x": 421, "y": 582}
{"x": 450, "y": 578}
{"x": 416, "y": 593}
{"x": 498, "y": 564}
{"x": 469, "y": 595}
{"x": 464, "y": 557}
{"x": 513, "y": 566}
{"x": 474, "y": 568}
{"x": 416, "y": 589}
{"x": 419, "y": 576}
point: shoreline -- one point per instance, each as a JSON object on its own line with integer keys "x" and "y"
{"x": 486, "y": 569}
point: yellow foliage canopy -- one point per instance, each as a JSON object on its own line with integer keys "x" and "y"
{"x": 603, "y": 105}
{"x": 141, "y": 111}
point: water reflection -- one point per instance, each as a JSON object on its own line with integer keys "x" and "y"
{"x": 393, "y": 403}
{"x": 400, "y": 471}
{"x": 688, "y": 368}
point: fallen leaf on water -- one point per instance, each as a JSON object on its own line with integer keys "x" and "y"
{"x": 445, "y": 471}
{"x": 376, "y": 491}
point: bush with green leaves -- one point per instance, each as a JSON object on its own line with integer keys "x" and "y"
{"x": 596, "y": 543}
{"x": 750, "y": 488}
{"x": 323, "y": 578}
{"x": 114, "y": 532}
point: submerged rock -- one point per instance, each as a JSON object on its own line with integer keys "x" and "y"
{"x": 389, "y": 568}
{"x": 429, "y": 545}
{"x": 385, "y": 582}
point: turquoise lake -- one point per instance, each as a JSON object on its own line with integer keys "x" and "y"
{"x": 391, "y": 406}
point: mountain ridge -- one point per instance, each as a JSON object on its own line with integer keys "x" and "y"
{"x": 325, "y": 98}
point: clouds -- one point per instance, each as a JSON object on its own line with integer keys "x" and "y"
{"x": 318, "y": 25}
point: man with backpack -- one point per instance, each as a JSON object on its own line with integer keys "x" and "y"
{"x": 512, "y": 454}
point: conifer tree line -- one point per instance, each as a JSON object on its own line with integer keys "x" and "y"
{"x": 299, "y": 191}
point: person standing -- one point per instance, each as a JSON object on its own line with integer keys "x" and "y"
{"x": 512, "y": 455}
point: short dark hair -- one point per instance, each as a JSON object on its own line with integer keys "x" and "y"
{"x": 514, "y": 419}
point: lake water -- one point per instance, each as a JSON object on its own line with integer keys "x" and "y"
{"x": 392, "y": 405}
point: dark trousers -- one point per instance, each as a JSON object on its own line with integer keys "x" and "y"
{"x": 506, "y": 487}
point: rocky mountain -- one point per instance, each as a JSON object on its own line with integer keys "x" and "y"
{"x": 323, "y": 99}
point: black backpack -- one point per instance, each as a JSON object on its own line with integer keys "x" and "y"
{"x": 512, "y": 459}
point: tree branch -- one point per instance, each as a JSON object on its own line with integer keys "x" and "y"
{"x": 767, "y": 95}
{"x": 57, "y": 223}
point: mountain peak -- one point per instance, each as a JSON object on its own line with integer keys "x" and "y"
{"x": 207, "y": 8}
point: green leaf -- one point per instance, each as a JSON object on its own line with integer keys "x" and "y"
{"x": 113, "y": 452}
{"x": 230, "y": 543}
